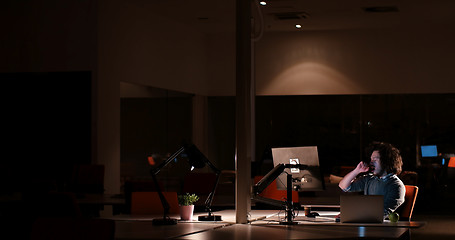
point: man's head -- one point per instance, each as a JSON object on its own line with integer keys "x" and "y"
{"x": 385, "y": 158}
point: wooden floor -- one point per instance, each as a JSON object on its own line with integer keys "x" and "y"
{"x": 440, "y": 226}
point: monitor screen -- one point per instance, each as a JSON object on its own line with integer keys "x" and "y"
{"x": 303, "y": 180}
{"x": 429, "y": 150}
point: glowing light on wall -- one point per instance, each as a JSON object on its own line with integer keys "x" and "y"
{"x": 310, "y": 78}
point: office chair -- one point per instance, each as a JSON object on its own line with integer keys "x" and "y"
{"x": 138, "y": 186}
{"x": 406, "y": 209}
{"x": 150, "y": 203}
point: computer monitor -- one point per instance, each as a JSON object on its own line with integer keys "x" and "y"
{"x": 429, "y": 150}
{"x": 309, "y": 179}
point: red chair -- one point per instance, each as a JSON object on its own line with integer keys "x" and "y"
{"x": 150, "y": 203}
{"x": 406, "y": 209}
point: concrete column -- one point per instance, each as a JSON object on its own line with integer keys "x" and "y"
{"x": 243, "y": 111}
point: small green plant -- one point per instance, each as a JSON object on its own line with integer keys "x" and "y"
{"x": 187, "y": 199}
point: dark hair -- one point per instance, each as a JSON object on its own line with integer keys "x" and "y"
{"x": 391, "y": 161}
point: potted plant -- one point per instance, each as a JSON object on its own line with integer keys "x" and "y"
{"x": 186, "y": 203}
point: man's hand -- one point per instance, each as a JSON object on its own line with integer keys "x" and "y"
{"x": 346, "y": 181}
{"x": 362, "y": 167}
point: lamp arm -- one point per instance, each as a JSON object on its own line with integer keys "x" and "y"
{"x": 209, "y": 200}
{"x": 155, "y": 171}
{"x": 163, "y": 200}
{"x": 214, "y": 169}
{"x": 163, "y": 164}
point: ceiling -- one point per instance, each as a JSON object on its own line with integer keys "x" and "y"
{"x": 283, "y": 15}
{"x": 352, "y": 14}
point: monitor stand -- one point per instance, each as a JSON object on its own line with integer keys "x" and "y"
{"x": 289, "y": 204}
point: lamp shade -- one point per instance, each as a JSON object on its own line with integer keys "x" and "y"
{"x": 195, "y": 157}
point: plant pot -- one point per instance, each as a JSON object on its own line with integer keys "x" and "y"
{"x": 186, "y": 212}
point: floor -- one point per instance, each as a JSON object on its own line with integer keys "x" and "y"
{"x": 440, "y": 226}
{"x": 438, "y": 210}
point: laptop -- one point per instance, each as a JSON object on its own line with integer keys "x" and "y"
{"x": 361, "y": 208}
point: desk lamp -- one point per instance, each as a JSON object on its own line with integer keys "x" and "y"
{"x": 268, "y": 179}
{"x": 166, "y": 220}
{"x": 196, "y": 160}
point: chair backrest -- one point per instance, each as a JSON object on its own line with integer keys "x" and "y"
{"x": 406, "y": 209}
{"x": 272, "y": 192}
{"x": 138, "y": 186}
{"x": 150, "y": 203}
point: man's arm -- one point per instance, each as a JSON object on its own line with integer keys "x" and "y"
{"x": 394, "y": 196}
{"x": 347, "y": 180}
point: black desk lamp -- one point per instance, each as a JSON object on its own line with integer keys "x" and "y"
{"x": 166, "y": 220}
{"x": 268, "y": 179}
{"x": 196, "y": 160}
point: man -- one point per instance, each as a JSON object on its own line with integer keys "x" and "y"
{"x": 385, "y": 164}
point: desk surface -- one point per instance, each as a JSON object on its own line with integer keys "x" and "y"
{"x": 146, "y": 230}
{"x": 274, "y": 231}
{"x": 100, "y": 199}
{"x": 263, "y": 225}
{"x": 326, "y": 219}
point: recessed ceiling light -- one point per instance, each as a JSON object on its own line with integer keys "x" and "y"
{"x": 263, "y": 3}
{"x": 298, "y": 26}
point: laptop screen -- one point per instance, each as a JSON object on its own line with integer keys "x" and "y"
{"x": 429, "y": 150}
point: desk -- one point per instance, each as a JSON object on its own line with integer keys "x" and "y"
{"x": 141, "y": 227}
{"x": 146, "y": 230}
{"x": 325, "y": 220}
{"x": 92, "y": 204}
{"x": 261, "y": 226}
{"x": 100, "y": 199}
{"x": 275, "y": 231}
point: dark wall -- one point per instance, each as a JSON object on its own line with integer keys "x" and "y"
{"x": 46, "y": 127}
{"x": 343, "y": 125}
{"x": 221, "y": 120}
{"x": 340, "y": 125}
{"x": 152, "y": 126}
